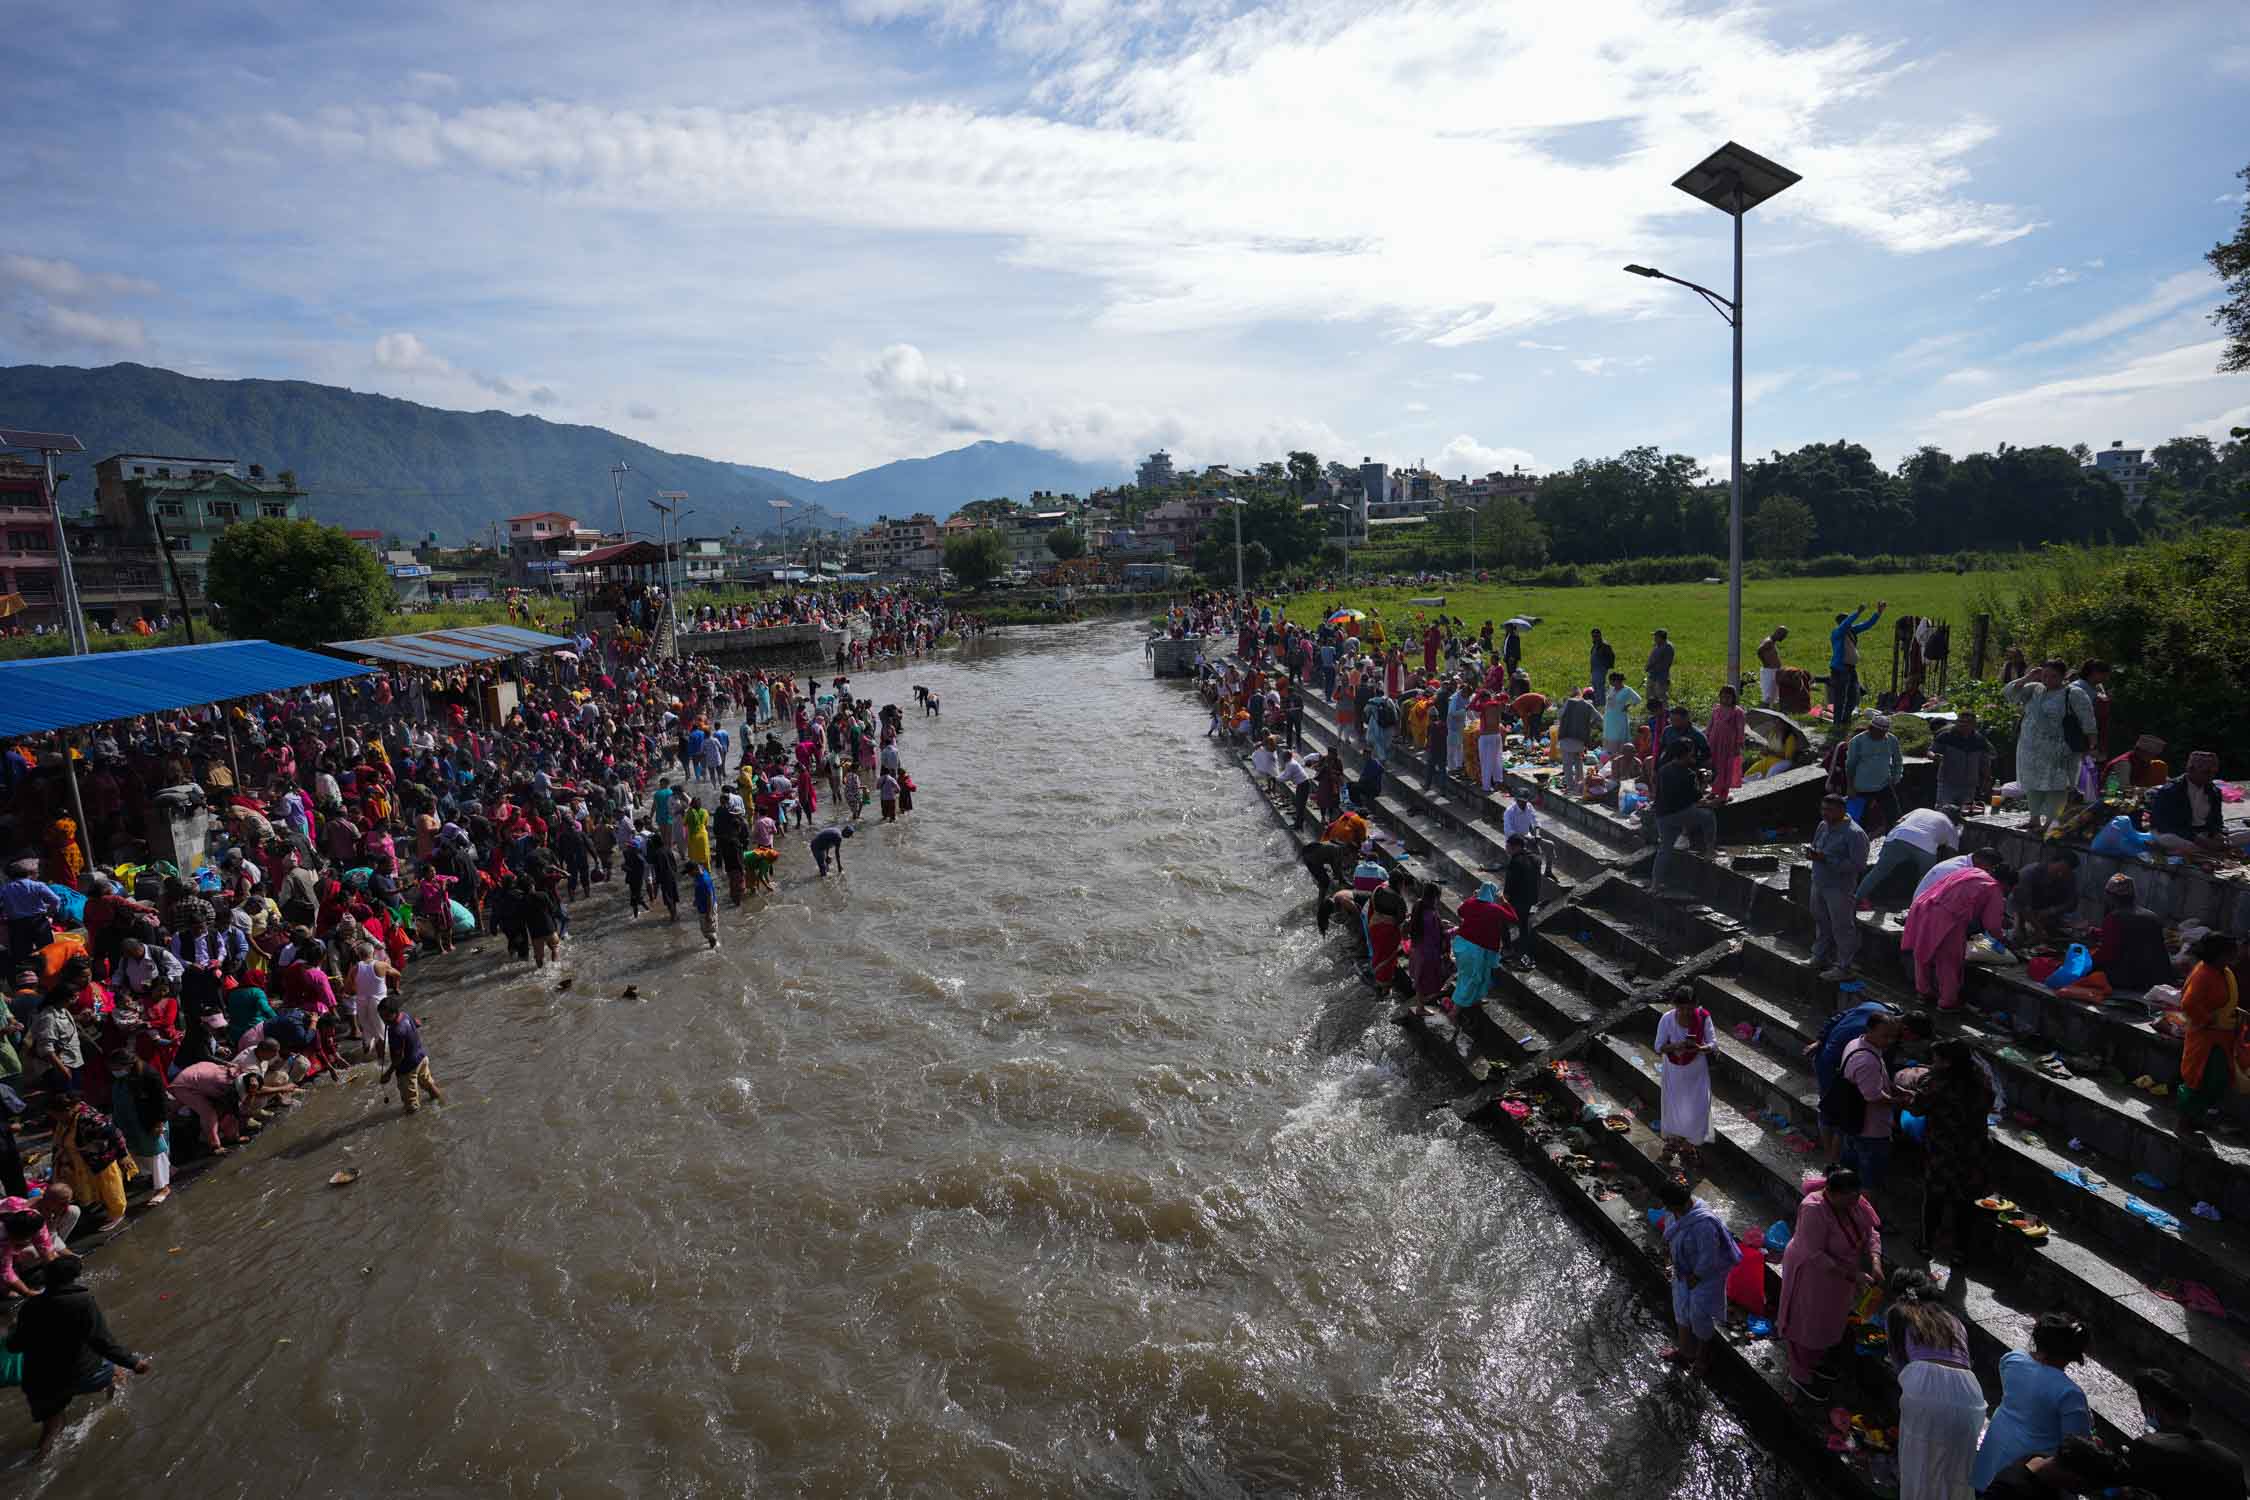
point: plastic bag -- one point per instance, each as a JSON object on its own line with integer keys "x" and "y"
{"x": 2077, "y": 963}
{"x": 1746, "y": 1283}
{"x": 2121, "y": 840}
{"x": 1777, "y": 1235}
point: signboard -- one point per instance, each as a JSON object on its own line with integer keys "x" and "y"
{"x": 409, "y": 570}
{"x": 546, "y": 565}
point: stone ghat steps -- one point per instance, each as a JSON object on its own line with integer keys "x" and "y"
{"x": 2123, "y": 1131}
{"x": 1742, "y": 1146}
{"x": 2131, "y": 1325}
{"x": 1456, "y": 806}
{"x": 1526, "y": 1014}
{"x": 2023, "y": 1162}
{"x": 2122, "y": 1037}
{"x": 1583, "y": 846}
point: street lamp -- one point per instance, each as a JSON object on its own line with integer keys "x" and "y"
{"x": 1234, "y": 504}
{"x": 667, "y": 504}
{"x": 617, "y": 473}
{"x": 1733, "y": 180}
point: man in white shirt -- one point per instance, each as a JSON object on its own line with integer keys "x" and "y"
{"x": 370, "y": 984}
{"x": 1915, "y": 842}
{"x": 1521, "y": 820}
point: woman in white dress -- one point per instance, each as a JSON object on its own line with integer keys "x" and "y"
{"x": 1685, "y": 1040}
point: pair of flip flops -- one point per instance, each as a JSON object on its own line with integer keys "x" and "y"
{"x": 2151, "y": 1087}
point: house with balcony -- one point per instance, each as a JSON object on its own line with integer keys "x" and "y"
{"x": 544, "y": 544}
{"x": 30, "y": 570}
{"x": 157, "y": 513}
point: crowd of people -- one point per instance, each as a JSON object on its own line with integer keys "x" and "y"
{"x": 160, "y": 1016}
{"x": 1460, "y": 712}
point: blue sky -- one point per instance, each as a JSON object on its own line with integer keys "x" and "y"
{"x": 823, "y": 237}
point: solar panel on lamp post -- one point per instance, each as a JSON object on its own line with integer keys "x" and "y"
{"x": 1733, "y": 180}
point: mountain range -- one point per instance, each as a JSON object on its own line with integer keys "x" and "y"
{"x": 369, "y": 460}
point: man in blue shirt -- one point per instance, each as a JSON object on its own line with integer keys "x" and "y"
{"x": 30, "y": 908}
{"x": 1843, "y": 660}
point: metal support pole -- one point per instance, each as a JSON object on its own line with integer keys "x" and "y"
{"x": 71, "y": 610}
{"x": 1240, "y": 591}
{"x": 77, "y": 806}
{"x": 1734, "y": 508}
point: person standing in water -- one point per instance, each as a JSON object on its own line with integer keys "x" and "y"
{"x": 706, "y": 903}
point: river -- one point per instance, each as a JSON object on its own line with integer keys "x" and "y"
{"x": 1045, "y": 1152}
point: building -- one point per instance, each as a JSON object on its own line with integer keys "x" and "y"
{"x": 704, "y": 561}
{"x": 543, "y": 544}
{"x": 29, "y": 566}
{"x": 158, "y": 515}
{"x": 906, "y": 545}
{"x": 1156, "y": 474}
{"x": 2128, "y": 467}
{"x": 1184, "y": 522}
{"x": 1476, "y": 493}
{"x": 409, "y": 575}
{"x": 1027, "y": 533}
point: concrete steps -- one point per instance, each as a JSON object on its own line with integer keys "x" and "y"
{"x": 2101, "y": 1261}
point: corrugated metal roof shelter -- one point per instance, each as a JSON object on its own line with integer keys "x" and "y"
{"x": 459, "y": 647}
{"x": 624, "y": 555}
{"x": 63, "y": 692}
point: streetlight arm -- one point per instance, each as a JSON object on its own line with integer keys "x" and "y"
{"x": 1723, "y": 306}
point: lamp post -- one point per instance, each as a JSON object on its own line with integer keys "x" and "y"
{"x": 617, "y": 473}
{"x": 667, "y": 504}
{"x": 1733, "y": 180}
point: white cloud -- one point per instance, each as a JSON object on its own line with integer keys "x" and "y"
{"x": 1467, "y": 377}
{"x": 1217, "y": 116}
{"x": 1417, "y": 406}
{"x": 1535, "y": 344}
{"x": 1970, "y": 376}
{"x": 428, "y": 81}
{"x": 2241, "y": 197}
{"x": 1609, "y": 364}
{"x": 405, "y": 354}
{"x": 1828, "y": 378}
{"x": 1931, "y": 349}
{"x": 2053, "y": 277}
{"x": 51, "y": 326}
{"x": 1465, "y": 455}
{"x": 2143, "y": 394}
{"x": 63, "y": 281}
{"x": 2173, "y": 292}
{"x": 1757, "y": 387}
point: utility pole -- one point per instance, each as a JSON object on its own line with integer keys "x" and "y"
{"x": 617, "y": 473}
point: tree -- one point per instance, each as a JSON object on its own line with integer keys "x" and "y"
{"x": 1304, "y": 474}
{"x": 2082, "y": 453}
{"x": 1256, "y": 561}
{"x": 2230, "y": 262}
{"x": 2188, "y": 460}
{"x": 1066, "y": 543}
{"x": 982, "y": 511}
{"x": 1782, "y": 527}
{"x": 977, "y": 557}
{"x": 1510, "y": 535}
{"x": 297, "y": 582}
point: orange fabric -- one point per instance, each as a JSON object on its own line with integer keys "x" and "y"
{"x": 2213, "y": 1010}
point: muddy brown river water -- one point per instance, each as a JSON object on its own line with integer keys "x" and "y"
{"x": 1045, "y": 1152}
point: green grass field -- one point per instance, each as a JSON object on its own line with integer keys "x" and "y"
{"x": 1694, "y": 613}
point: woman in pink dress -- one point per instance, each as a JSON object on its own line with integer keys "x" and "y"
{"x": 1835, "y": 1252}
{"x": 1939, "y": 922}
{"x": 1725, "y": 732}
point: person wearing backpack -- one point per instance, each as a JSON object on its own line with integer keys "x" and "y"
{"x": 2058, "y": 725}
{"x": 1862, "y": 1104}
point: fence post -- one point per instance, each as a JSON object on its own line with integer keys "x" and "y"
{"x": 1980, "y": 638}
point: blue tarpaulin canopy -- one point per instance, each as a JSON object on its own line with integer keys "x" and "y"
{"x": 62, "y": 692}
{"x": 457, "y": 647}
